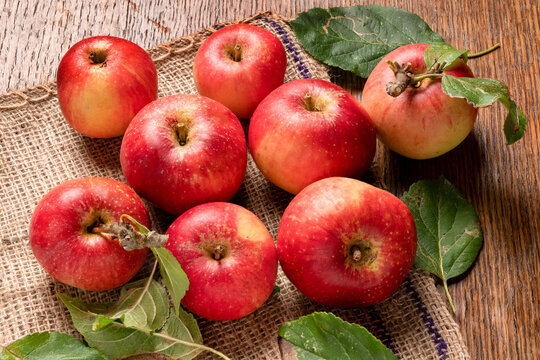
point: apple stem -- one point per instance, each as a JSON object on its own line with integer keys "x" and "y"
{"x": 357, "y": 254}
{"x": 101, "y": 231}
{"x": 362, "y": 254}
{"x": 218, "y": 252}
{"x": 182, "y": 133}
{"x": 419, "y": 78}
{"x": 485, "y": 52}
{"x": 237, "y": 52}
{"x": 309, "y": 103}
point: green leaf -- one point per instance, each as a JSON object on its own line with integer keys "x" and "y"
{"x": 49, "y": 346}
{"x": 178, "y": 338}
{"x": 443, "y": 53}
{"x": 515, "y": 122}
{"x": 180, "y": 328}
{"x": 140, "y": 227}
{"x": 173, "y": 276}
{"x": 484, "y": 92}
{"x": 356, "y": 38}
{"x": 324, "y": 336}
{"x": 142, "y": 304}
{"x": 477, "y": 91}
{"x": 448, "y": 228}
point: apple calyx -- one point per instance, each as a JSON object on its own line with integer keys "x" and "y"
{"x": 129, "y": 238}
{"x": 98, "y": 57}
{"x": 361, "y": 253}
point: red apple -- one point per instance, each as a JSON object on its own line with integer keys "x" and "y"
{"x": 238, "y": 66}
{"x": 422, "y": 122}
{"x": 64, "y": 233}
{"x": 229, "y": 257}
{"x": 103, "y": 82}
{"x": 345, "y": 243}
{"x": 184, "y": 150}
{"x": 307, "y": 130}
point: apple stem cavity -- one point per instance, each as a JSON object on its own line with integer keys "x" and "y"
{"x": 98, "y": 57}
{"x": 129, "y": 238}
{"x": 218, "y": 252}
{"x": 235, "y": 53}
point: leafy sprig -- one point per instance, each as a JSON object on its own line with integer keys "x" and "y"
{"x": 141, "y": 320}
{"x": 356, "y": 38}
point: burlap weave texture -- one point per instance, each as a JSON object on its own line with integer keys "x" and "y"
{"x": 38, "y": 150}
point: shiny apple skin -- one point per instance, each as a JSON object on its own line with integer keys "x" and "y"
{"x": 241, "y": 281}
{"x": 319, "y": 228}
{"x": 64, "y": 247}
{"x": 209, "y": 167}
{"x": 423, "y": 122}
{"x": 240, "y": 85}
{"x": 100, "y": 100}
{"x": 294, "y": 147}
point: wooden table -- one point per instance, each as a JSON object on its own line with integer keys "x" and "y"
{"x": 498, "y": 304}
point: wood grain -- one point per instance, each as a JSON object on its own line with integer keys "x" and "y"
{"x": 498, "y": 299}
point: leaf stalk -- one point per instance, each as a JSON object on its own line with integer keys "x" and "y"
{"x": 187, "y": 343}
{"x": 485, "y": 52}
{"x": 449, "y": 297}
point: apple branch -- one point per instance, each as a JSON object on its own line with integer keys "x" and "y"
{"x": 130, "y": 238}
{"x": 405, "y": 77}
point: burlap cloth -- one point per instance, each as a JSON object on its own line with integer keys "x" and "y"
{"x": 38, "y": 150}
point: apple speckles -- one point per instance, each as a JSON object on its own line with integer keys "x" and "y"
{"x": 334, "y": 220}
{"x": 209, "y": 166}
{"x": 232, "y": 286}
{"x": 62, "y": 237}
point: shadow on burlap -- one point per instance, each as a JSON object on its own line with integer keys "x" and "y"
{"x": 39, "y": 151}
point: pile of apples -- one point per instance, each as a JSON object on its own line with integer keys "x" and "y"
{"x": 341, "y": 242}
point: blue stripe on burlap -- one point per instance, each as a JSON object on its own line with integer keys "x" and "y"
{"x": 382, "y": 335}
{"x": 290, "y": 48}
{"x": 427, "y": 319}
